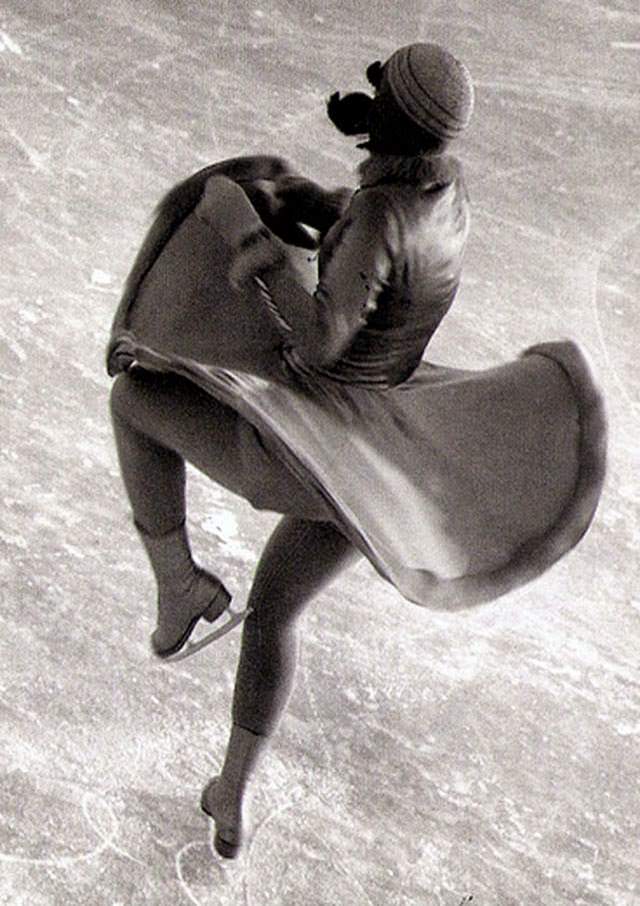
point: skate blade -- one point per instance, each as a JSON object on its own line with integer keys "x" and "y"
{"x": 191, "y": 648}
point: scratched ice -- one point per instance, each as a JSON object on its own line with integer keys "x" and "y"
{"x": 424, "y": 759}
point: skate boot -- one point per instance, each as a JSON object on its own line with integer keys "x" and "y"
{"x": 227, "y": 838}
{"x": 186, "y": 592}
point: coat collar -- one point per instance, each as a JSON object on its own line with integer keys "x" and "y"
{"x": 427, "y": 171}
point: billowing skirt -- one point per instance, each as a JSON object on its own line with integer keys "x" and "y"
{"x": 457, "y": 485}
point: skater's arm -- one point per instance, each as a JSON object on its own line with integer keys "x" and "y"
{"x": 299, "y": 211}
{"x": 322, "y": 325}
{"x": 307, "y": 202}
{"x": 284, "y": 200}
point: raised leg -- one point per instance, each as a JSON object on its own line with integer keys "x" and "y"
{"x": 159, "y": 422}
{"x": 186, "y": 592}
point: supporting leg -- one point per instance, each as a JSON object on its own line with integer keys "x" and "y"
{"x": 300, "y": 559}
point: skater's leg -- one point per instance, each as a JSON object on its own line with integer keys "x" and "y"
{"x": 154, "y": 477}
{"x": 186, "y": 591}
{"x": 300, "y": 558}
{"x": 162, "y": 420}
{"x": 159, "y": 421}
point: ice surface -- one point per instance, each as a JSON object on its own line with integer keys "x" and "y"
{"x": 425, "y": 759}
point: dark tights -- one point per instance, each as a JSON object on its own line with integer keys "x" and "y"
{"x": 161, "y": 421}
{"x": 300, "y": 558}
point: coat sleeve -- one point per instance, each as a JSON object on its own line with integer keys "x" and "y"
{"x": 321, "y": 326}
{"x": 283, "y": 199}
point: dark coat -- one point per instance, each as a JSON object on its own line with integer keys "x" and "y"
{"x": 457, "y": 485}
{"x": 178, "y": 299}
{"x": 389, "y": 269}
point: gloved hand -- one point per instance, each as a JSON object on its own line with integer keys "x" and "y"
{"x": 307, "y": 202}
{"x": 278, "y": 213}
{"x": 259, "y": 253}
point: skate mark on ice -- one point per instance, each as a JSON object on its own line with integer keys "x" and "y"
{"x": 216, "y": 864}
{"x": 108, "y": 842}
{"x": 195, "y": 844}
{"x": 106, "y": 836}
{"x": 8, "y": 43}
{"x": 275, "y": 813}
{"x": 39, "y": 160}
{"x": 333, "y": 863}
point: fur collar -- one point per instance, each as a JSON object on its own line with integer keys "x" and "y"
{"x": 423, "y": 170}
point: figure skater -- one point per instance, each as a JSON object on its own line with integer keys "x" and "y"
{"x": 456, "y": 485}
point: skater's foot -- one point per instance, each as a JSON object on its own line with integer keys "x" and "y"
{"x": 221, "y": 806}
{"x": 198, "y": 595}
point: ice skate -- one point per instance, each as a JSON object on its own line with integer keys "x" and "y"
{"x": 189, "y": 648}
{"x": 186, "y": 594}
{"x": 228, "y": 822}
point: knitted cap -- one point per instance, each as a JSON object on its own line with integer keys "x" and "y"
{"x": 432, "y": 87}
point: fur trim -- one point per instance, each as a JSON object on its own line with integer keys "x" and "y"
{"x": 425, "y": 170}
{"x": 538, "y": 554}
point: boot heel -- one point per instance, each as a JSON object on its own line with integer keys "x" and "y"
{"x": 224, "y": 848}
{"x": 222, "y": 599}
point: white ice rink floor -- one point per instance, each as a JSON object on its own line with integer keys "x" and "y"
{"x": 426, "y": 759}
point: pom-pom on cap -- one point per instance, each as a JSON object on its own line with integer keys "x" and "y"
{"x": 432, "y": 87}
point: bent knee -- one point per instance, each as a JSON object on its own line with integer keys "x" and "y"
{"x": 120, "y": 396}
{"x": 136, "y": 391}
{"x": 127, "y": 396}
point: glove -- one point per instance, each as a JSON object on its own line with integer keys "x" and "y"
{"x": 307, "y": 202}
{"x": 278, "y": 213}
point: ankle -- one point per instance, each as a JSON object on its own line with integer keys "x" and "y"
{"x": 182, "y": 584}
{"x": 224, "y": 802}
{"x": 170, "y": 556}
{"x": 230, "y": 792}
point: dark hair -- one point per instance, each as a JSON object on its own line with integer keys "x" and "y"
{"x": 350, "y": 114}
{"x": 391, "y": 131}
